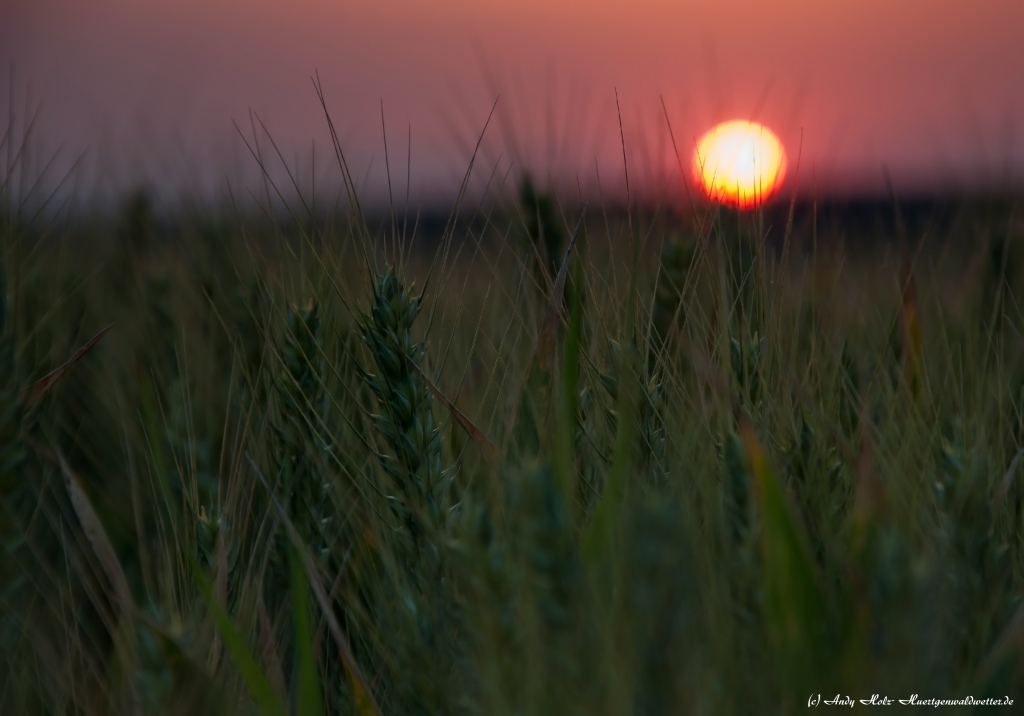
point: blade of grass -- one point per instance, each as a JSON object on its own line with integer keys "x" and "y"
{"x": 544, "y": 354}
{"x": 597, "y": 539}
{"x": 913, "y": 349}
{"x": 310, "y": 701}
{"x": 530, "y": 410}
{"x": 266, "y": 699}
{"x": 34, "y": 393}
{"x": 795, "y": 606}
{"x": 565, "y": 422}
{"x": 364, "y": 696}
{"x": 97, "y": 536}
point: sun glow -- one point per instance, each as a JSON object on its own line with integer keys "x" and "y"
{"x": 739, "y": 163}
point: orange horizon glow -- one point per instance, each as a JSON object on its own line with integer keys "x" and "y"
{"x": 739, "y": 163}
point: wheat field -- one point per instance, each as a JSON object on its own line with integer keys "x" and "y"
{"x": 554, "y": 459}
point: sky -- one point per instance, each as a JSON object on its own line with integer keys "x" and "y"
{"x": 930, "y": 91}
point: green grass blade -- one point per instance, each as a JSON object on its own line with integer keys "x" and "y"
{"x": 597, "y": 540}
{"x": 795, "y": 607}
{"x": 532, "y": 410}
{"x": 363, "y": 695}
{"x": 310, "y": 701}
{"x": 565, "y": 423}
{"x": 266, "y": 699}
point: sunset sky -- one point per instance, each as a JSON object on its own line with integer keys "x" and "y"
{"x": 933, "y": 89}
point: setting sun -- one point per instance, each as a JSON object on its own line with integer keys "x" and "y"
{"x": 739, "y": 163}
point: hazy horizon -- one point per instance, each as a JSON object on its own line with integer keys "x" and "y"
{"x": 929, "y": 90}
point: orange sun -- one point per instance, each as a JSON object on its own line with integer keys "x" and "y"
{"x": 739, "y": 163}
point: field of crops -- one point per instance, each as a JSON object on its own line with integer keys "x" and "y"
{"x": 557, "y": 460}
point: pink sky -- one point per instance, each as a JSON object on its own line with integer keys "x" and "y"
{"x": 934, "y": 89}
